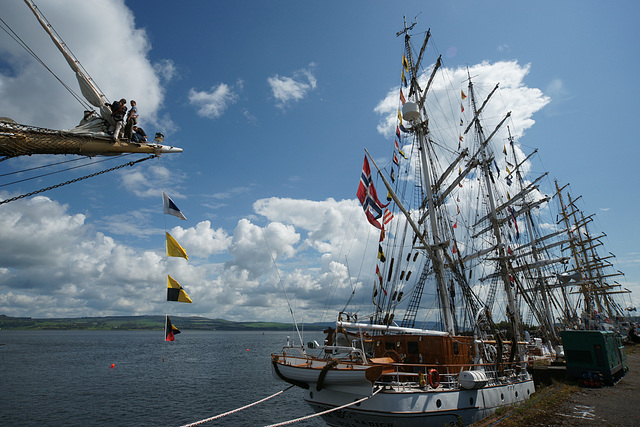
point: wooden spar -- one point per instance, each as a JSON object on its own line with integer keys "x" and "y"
{"x": 477, "y": 114}
{"x": 433, "y": 74}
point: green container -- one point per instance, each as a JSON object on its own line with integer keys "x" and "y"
{"x": 594, "y": 351}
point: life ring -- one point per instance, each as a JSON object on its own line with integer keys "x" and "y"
{"x": 433, "y": 378}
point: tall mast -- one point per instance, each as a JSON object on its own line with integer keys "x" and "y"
{"x": 539, "y": 280}
{"x": 513, "y": 311}
{"x": 421, "y": 130}
{"x": 574, "y": 252}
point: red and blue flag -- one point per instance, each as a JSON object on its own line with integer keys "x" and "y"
{"x": 369, "y": 197}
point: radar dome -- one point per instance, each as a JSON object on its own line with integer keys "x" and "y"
{"x": 410, "y": 111}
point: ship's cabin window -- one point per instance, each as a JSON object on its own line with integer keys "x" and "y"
{"x": 456, "y": 350}
{"x": 389, "y": 345}
{"x": 412, "y": 347}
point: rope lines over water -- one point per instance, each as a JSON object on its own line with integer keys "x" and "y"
{"x": 206, "y": 420}
{"x": 324, "y": 412}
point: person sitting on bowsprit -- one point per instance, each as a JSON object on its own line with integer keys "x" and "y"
{"x": 138, "y": 135}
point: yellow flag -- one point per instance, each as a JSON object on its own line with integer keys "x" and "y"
{"x": 174, "y": 248}
{"x": 175, "y": 291}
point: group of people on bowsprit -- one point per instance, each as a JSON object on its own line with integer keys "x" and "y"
{"x": 128, "y": 130}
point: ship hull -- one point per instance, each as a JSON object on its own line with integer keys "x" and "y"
{"x": 408, "y": 407}
{"x": 356, "y": 380}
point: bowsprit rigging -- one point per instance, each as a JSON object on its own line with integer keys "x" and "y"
{"x": 92, "y": 137}
{"x": 33, "y": 193}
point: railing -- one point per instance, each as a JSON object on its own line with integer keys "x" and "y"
{"x": 349, "y": 356}
{"x": 417, "y": 375}
{"x": 404, "y": 376}
{"x": 347, "y": 351}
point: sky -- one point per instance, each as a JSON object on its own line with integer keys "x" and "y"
{"x": 273, "y": 104}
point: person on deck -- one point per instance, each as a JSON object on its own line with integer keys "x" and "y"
{"x": 88, "y": 116}
{"x": 132, "y": 119}
{"x": 138, "y": 135}
{"x": 118, "y": 111}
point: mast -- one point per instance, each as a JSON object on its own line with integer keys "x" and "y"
{"x": 540, "y": 283}
{"x": 420, "y": 129}
{"x": 513, "y": 311}
{"x": 574, "y": 252}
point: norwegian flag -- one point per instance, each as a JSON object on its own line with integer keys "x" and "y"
{"x": 368, "y": 197}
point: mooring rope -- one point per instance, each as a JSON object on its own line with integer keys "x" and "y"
{"x": 284, "y": 423}
{"x": 206, "y": 420}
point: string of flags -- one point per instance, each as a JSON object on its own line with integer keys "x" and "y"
{"x": 463, "y": 96}
{"x": 175, "y": 292}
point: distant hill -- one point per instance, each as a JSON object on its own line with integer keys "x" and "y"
{"x": 130, "y": 323}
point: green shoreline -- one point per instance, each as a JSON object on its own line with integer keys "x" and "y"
{"x": 141, "y": 323}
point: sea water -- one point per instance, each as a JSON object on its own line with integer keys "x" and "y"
{"x": 135, "y": 378}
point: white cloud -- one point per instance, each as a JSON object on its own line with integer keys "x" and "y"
{"x": 165, "y": 69}
{"x": 286, "y": 90}
{"x": 147, "y": 180}
{"x": 202, "y": 240}
{"x": 513, "y": 96}
{"x": 212, "y": 104}
{"x": 81, "y": 272}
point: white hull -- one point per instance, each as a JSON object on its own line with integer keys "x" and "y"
{"x": 412, "y": 406}
{"x": 351, "y": 378}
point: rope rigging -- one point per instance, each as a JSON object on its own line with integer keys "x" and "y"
{"x": 51, "y": 173}
{"x": 26, "y": 47}
{"x": 76, "y": 180}
{"x": 38, "y": 167}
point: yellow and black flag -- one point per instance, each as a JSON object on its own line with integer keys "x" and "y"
{"x": 170, "y": 330}
{"x": 175, "y": 291}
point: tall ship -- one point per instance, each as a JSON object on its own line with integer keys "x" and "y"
{"x": 443, "y": 342}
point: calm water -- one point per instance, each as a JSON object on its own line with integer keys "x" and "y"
{"x": 64, "y": 378}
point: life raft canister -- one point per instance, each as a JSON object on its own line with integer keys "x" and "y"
{"x": 422, "y": 380}
{"x": 433, "y": 378}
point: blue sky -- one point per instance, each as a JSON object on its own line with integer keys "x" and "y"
{"x": 273, "y": 103}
